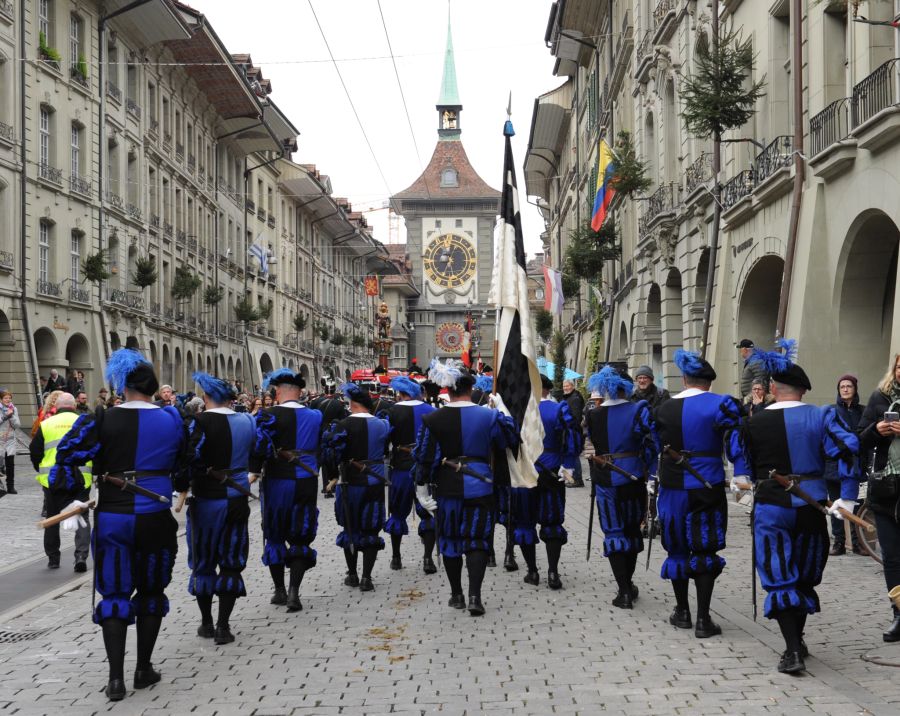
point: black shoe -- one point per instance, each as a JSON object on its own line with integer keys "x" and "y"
{"x": 279, "y": 597}
{"x": 396, "y": 563}
{"x": 681, "y": 618}
{"x": 365, "y": 585}
{"x": 634, "y": 591}
{"x": 146, "y": 677}
{"x": 351, "y": 580}
{"x": 428, "y": 565}
{"x": 804, "y": 649}
{"x": 510, "y": 564}
{"x": 115, "y": 689}
{"x": 223, "y": 634}
{"x": 706, "y": 628}
{"x": 293, "y": 601}
{"x": 623, "y": 600}
{"x": 207, "y": 631}
{"x": 329, "y": 495}
{"x": 893, "y": 632}
{"x": 860, "y": 551}
{"x": 837, "y": 549}
{"x": 577, "y": 483}
{"x": 553, "y": 580}
{"x": 476, "y": 608}
{"x": 492, "y": 561}
{"x": 791, "y": 663}
{"x": 81, "y": 567}
{"x": 532, "y": 577}
{"x": 12, "y": 491}
{"x": 457, "y": 601}
{"x": 53, "y": 563}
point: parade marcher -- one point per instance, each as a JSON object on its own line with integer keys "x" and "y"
{"x": 645, "y": 388}
{"x": 692, "y": 428}
{"x": 879, "y": 436}
{"x": 453, "y": 453}
{"x": 405, "y": 417}
{"x": 381, "y": 403}
{"x": 333, "y": 409}
{"x": 624, "y": 454}
{"x": 546, "y": 503}
{"x": 354, "y": 449}
{"x": 432, "y": 393}
{"x": 790, "y": 439}
{"x": 137, "y": 449}
{"x": 287, "y": 448}
{"x": 850, "y": 412}
{"x": 218, "y": 541}
{"x": 61, "y": 488}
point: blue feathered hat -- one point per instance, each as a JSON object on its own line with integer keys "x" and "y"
{"x": 283, "y": 375}
{"x": 484, "y": 383}
{"x": 780, "y": 364}
{"x": 693, "y": 366}
{"x": 402, "y": 384}
{"x": 217, "y": 389}
{"x": 609, "y": 382}
{"x": 126, "y": 368}
{"x": 357, "y": 394}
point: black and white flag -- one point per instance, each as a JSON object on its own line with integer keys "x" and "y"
{"x": 516, "y": 376}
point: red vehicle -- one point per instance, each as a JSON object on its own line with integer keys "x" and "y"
{"x": 373, "y": 381}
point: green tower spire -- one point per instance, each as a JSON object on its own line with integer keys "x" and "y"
{"x": 448, "y": 105}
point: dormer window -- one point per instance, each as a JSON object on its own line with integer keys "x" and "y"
{"x": 449, "y": 177}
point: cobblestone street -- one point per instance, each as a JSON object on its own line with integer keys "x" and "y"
{"x": 401, "y": 650}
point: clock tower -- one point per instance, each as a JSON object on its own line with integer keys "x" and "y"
{"x": 450, "y": 214}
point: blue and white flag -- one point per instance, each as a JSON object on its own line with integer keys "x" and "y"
{"x": 261, "y": 254}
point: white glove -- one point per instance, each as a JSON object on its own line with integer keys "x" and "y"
{"x": 566, "y": 475}
{"x": 848, "y": 505}
{"x": 497, "y": 402}
{"x": 252, "y": 477}
{"x": 651, "y": 487}
{"x": 74, "y": 522}
{"x": 740, "y": 483}
{"x": 428, "y": 503}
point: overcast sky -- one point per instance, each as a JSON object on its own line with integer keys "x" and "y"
{"x": 499, "y": 46}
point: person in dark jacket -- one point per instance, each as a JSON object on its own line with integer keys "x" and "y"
{"x": 877, "y": 437}
{"x": 850, "y": 412}
{"x": 645, "y": 389}
{"x": 576, "y": 408}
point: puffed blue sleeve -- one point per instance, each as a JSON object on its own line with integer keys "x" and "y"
{"x": 504, "y": 432}
{"x": 644, "y": 430}
{"x": 334, "y": 444}
{"x": 266, "y": 431}
{"x": 570, "y": 437}
{"x": 426, "y": 457}
{"x": 728, "y": 422}
{"x": 196, "y": 441}
{"x": 76, "y": 448}
{"x": 842, "y": 444}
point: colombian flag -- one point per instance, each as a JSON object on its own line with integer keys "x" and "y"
{"x": 606, "y": 168}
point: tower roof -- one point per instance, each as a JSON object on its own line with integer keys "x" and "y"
{"x": 449, "y": 96}
{"x": 448, "y": 155}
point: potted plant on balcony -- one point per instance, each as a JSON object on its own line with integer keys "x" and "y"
{"x": 358, "y": 341}
{"x": 245, "y": 311}
{"x": 338, "y": 338}
{"x": 48, "y": 54}
{"x": 79, "y": 71}
{"x": 630, "y": 177}
{"x": 185, "y": 284}
{"x": 95, "y": 267}
{"x": 144, "y": 272}
{"x": 213, "y": 294}
{"x": 559, "y": 343}
{"x": 300, "y": 321}
{"x": 543, "y": 321}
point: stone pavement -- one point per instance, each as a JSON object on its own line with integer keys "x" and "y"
{"x": 401, "y": 650}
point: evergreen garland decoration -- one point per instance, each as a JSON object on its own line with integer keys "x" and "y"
{"x": 144, "y": 272}
{"x": 300, "y": 322}
{"x": 558, "y": 351}
{"x": 570, "y": 286}
{"x": 338, "y": 338}
{"x": 588, "y": 250}
{"x": 245, "y": 311}
{"x": 631, "y": 173}
{"x": 213, "y": 294}
{"x": 358, "y": 341}
{"x": 95, "y": 267}
{"x": 543, "y": 321}
{"x": 185, "y": 283}
{"x": 264, "y": 311}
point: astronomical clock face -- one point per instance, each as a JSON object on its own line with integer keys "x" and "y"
{"x": 449, "y": 337}
{"x": 450, "y": 261}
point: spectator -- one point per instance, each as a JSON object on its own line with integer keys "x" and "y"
{"x": 850, "y": 411}
{"x": 645, "y": 388}
{"x": 758, "y": 400}
{"x": 576, "y": 407}
{"x": 56, "y": 381}
{"x": 166, "y": 396}
{"x": 81, "y": 403}
{"x": 9, "y": 423}
{"x": 883, "y": 494}
{"x": 753, "y": 369}
{"x": 194, "y": 406}
{"x": 43, "y": 382}
{"x": 267, "y": 402}
{"x": 71, "y": 382}
{"x": 256, "y": 407}
{"x": 102, "y": 397}
{"x": 48, "y": 409}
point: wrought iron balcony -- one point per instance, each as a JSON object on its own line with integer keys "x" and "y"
{"x": 6, "y": 9}
{"x": 660, "y": 202}
{"x": 192, "y": 243}
{"x": 191, "y": 163}
{"x": 251, "y": 206}
{"x": 154, "y": 125}
{"x": 134, "y": 212}
{"x": 179, "y": 151}
{"x": 201, "y": 177}
{"x": 261, "y": 215}
{"x": 778, "y": 154}
{"x": 271, "y": 221}
{"x": 117, "y": 295}
{"x": 180, "y": 237}
{"x": 47, "y": 60}
{"x": 135, "y": 301}
{"x": 133, "y": 108}
{"x": 699, "y": 172}
{"x": 77, "y": 76}
{"x": 154, "y": 221}
{"x": 80, "y": 185}
{"x": 51, "y": 174}
{"x": 7, "y": 132}
{"x": 167, "y": 140}
{"x": 6, "y": 260}
{"x": 663, "y": 8}
{"x": 737, "y": 188}
{"x": 115, "y": 201}
{"x": 167, "y": 229}
{"x": 80, "y": 295}
{"x": 169, "y": 313}
{"x": 113, "y": 92}
{"x": 876, "y": 92}
{"x": 48, "y": 288}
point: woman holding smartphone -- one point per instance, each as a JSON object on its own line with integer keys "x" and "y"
{"x": 878, "y": 431}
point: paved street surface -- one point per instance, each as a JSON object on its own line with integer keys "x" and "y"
{"x": 400, "y": 649}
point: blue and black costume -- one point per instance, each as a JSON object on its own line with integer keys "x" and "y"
{"x": 134, "y": 540}
{"x": 405, "y": 417}
{"x": 287, "y": 450}
{"x": 452, "y": 454}
{"x": 218, "y": 541}
{"x": 355, "y": 449}
{"x": 695, "y": 425}
{"x": 621, "y": 432}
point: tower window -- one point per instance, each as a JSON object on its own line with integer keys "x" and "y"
{"x": 449, "y": 177}
{"x": 448, "y": 119}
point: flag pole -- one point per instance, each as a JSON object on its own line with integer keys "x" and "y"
{"x": 496, "y": 364}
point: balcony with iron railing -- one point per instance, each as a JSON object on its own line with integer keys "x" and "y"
{"x": 78, "y": 76}
{"x": 261, "y": 215}
{"x": 191, "y": 163}
{"x": 7, "y": 133}
{"x": 699, "y": 173}
{"x": 660, "y": 203}
{"x": 134, "y": 212}
{"x": 48, "y": 288}
{"x": 6, "y": 10}
{"x": 737, "y": 188}
{"x": 113, "y": 92}
{"x": 6, "y": 260}
{"x": 79, "y": 295}
{"x": 180, "y": 237}
{"x": 115, "y": 201}
{"x": 829, "y": 126}
{"x": 271, "y": 221}
{"x": 79, "y": 185}
{"x": 664, "y": 20}
{"x": 133, "y": 108}
{"x": 154, "y": 221}
{"x": 643, "y": 57}
{"x": 875, "y": 93}
{"x": 168, "y": 229}
{"x": 251, "y": 206}
{"x": 50, "y": 174}
{"x": 777, "y": 155}
{"x": 154, "y": 126}
{"x": 179, "y": 152}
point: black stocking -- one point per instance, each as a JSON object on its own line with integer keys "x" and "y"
{"x": 554, "y": 550}
{"x": 619, "y": 563}
{"x": 297, "y": 572}
{"x": 528, "y": 552}
{"x": 788, "y": 623}
{"x": 476, "y": 563}
{"x": 147, "y": 631}
{"x": 428, "y": 542}
{"x": 704, "y": 583}
{"x": 114, "y": 631}
{"x": 277, "y": 572}
{"x": 395, "y": 545}
{"x": 801, "y": 622}
{"x": 204, "y": 601}
{"x": 680, "y": 586}
{"x": 351, "y": 555}
{"x": 226, "y": 606}
{"x": 369, "y": 556}
{"x": 453, "y": 565}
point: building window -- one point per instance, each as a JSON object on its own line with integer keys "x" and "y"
{"x": 45, "y": 138}
{"x": 449, "y": 177}
{"x": 75, "y": 26}
{"x": 75, "y": 272}
{"x": 458, "y": 223}
{"x": 76, "y": 151}
{"x": 44, "y": 9}
{"x": 44, "y": 252}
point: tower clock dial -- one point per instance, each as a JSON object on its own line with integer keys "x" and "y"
{"x": 450, "y": 260}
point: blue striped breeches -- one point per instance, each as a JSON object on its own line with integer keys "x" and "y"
{"x": 218, "y": 545}
{"x": 692, "y": 530}
{"x": 621, "y": 510}
{"x": 365, "y": 511}
{"x": 465, "y": 525}
{"x": 290, "y": 521}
